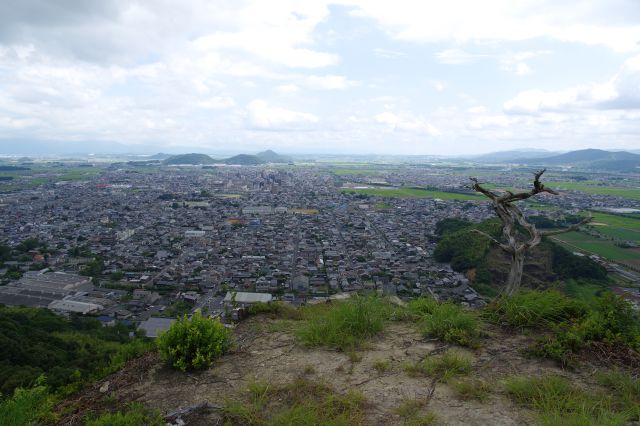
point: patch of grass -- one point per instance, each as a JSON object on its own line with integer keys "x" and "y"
{"x": 558, "y": 402}
{"x": 300, "y": 402}
{"x": 345, "y": 325}
{"x": 309, "y": 369}
{"x": 443, "y": 367}
{"x": 625, "y": 390}
{"x": 534, "y": 309}
{"x": 410, "y": 407}
{"x": 426, "y": 419}
{"x": 354, "y": 356}
{"x": 134, "y": 415}
{"x": 278, "y": 310}
{"x": 446, "y": 321}
{"x": 381, "y": 365}
{"x": 471, "y": 389}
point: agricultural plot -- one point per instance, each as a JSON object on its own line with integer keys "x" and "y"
{"x": 415, "y": 193}
{"x": 600, "y": 246}
{"x": 591, "y": 187}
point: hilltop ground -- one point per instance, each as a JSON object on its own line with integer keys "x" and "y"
{"x": 267, "y": 352}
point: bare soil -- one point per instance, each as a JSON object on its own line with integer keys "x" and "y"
{"x": 276, "y": 357}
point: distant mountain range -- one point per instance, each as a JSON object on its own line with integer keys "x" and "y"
{"x": 589, "y": 159}
{"x": 596, "y": 159}
{"x": 241, "y": 159}
{"x": 506, "y": 156}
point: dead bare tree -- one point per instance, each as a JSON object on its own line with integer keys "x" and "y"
{"x": 511, "y": 216}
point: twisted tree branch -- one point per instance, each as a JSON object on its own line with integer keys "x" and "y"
{"x": 573, "y": 227}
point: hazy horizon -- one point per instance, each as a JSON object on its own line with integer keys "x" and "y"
{"x": 343, "y": 77}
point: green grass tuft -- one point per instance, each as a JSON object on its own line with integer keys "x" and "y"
{"x": 447, "y": 321}
{"x": 471, "y": 389}
{"x": 345, "y": 325}
{"x": 534, "y": 309}
{"x": 558, "y": 402}
{"x": 381, "y": 365}
{"x": 443, "y": 367}
{"x": 300, "y": 402}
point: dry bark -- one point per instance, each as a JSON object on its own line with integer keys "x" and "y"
{"x": 511, "y": 216}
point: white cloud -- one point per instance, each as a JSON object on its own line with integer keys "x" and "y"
{"x": 406, "y": 122}
{"x": 264, "y": 116}
{"x": 622, "y": 91}
{"x": 463, "y": 21}
{"x": 328, "y": 82}
{"x": 457, "y": 57}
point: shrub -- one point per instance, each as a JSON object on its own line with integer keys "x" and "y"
{"x": 558, "y": 402}
{"x": 345, "y": 325}
{"x": 534, "y": 309}
{"x": 193, "y": 343}
{"x": 611, "y": 321}
{"x": 25, "y": 406}
{"x": 446, "y": 321}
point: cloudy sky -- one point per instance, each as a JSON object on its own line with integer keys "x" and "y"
{"x": 306, "y": 76}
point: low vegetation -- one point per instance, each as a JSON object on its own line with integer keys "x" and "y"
{"x": 381, "y": 365}
{"x": 26, "y": 406}
{"x": 534, "y": 309}
{"x": 133, "y": 415}
{"x": 446, "y": 321}
{"x": 193, "y": 343}
{"x": 69, "y": 352}
{"x": 471, "y": 389}
{"x": 558, "y": 402}
{"x": 300, "y": 402}
{"x": 611, "y": 327}
{"x": 345, "y": 325}
{"x": 442, "y": 367}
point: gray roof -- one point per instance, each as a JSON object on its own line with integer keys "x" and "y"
{"x": 245, "y": 297}
{"x": 154, "y": 326}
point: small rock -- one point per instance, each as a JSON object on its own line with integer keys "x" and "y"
{"x": 104, "y": 388}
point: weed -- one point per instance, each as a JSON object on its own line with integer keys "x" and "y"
{"x": 410, "y": 407}
{"x": 381, "y": 365}
{"x": 354, "y": 356}
{"x": 446, "y": 321}
{"x": 443, "y": 367}
{"x": 135, "y": 414}
{"x": 345, "y": 325}
{"x": 471, "y": 389}
{"x": 557, "y": 401}
{"x": 534, "y": 309}
{"x": 298, "y": 402}
{"x": 426, "y": 419}
{"x": 309, "y": 369}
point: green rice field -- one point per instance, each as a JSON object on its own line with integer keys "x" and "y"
{"x": 414, "y": 193}
{"x": 591, "y": 187}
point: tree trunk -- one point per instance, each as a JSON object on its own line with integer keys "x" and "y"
{"x": 515, "y": 273}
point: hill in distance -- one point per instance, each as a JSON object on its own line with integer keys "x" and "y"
{"x": 590, "y": 159}
{"x": 270, "y": 156}
{"x": 505, "y": 156}
{"x": 264, "y": 157}
{"x": 193, "y": 159}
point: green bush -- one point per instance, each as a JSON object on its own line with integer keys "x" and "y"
{"x": 534, "y": 309}
{"x": 345, "y": 325}
{"x": 134, "y": 415}
{"x": 25, "y": 406}
{"x": 446, "y": 321}
{"x": 612, "y": 321}
{"x": 193, "y": 343}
